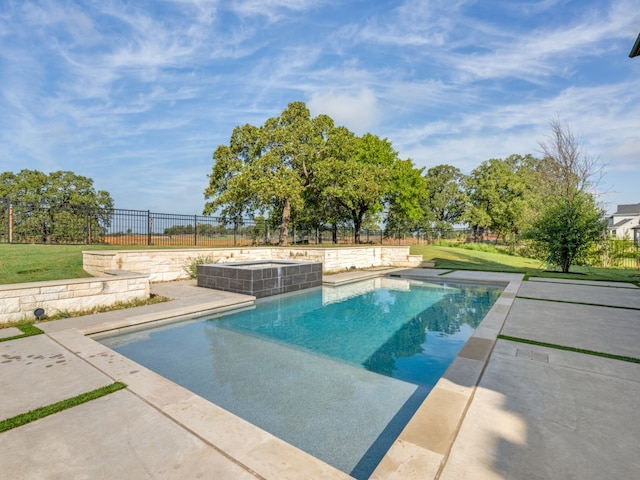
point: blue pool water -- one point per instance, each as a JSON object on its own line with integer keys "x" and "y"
{"x": 336, "y": 371}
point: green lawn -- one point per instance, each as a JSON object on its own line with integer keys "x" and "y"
{"x": 32, "y": 263}
{"x": 462, "y": 259}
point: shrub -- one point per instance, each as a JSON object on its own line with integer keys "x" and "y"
{"x": 190, "y": 267}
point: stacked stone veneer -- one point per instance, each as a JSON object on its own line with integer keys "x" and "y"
{"x": 261, "y": 281}
{"x": 19, "y": 300}
{"x": 168, "y": 265}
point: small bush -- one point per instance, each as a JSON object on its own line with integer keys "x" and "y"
{"x": 446, "y": 243}
{"x": 482, "y": 247}
{"x": 191, "y": 266}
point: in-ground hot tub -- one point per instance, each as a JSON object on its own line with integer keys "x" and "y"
{"x": 261, "y": 278}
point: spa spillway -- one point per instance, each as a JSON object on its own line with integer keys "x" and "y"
{"x": 260, "y": 278}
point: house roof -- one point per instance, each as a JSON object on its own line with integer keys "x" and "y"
{"x": 620, "y": 223}
{"x": 628, "y": 209}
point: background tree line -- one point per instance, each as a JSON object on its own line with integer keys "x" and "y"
{"x": 318, "y": 174}
{"x": 304, "y": 172}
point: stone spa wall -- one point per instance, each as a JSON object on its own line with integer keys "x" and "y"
{"x": 261, "y": 279}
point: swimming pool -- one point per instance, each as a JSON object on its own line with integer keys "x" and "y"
{"x": 335, "y": 371}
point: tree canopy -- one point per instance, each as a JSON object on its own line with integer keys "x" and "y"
{"x": 445, "y": 201}
{"x": 267, "y": 169}
{"x": 296, "y": 165}
{"x": 499, "y": 192}
{"x": 55, "y": 208}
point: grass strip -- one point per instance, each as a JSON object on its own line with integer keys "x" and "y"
{"x": 570, "y": 349}
{"x": 152, "y": 300}
{"x": 42, "y": 412}
{"x": 27, "y": 329}
{"x": 576, "y": 303}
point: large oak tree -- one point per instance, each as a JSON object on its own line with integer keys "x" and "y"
{"x": 445, "y": 200}
{"x": 499, "y": 193}
{"x": 267, "y": 169}
{"x": 295, "y": 165}
{"x": 60, "y": 207}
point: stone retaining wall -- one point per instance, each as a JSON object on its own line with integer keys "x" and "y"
{"x": 19, "y": 300}
{"x": 171, "y": 264}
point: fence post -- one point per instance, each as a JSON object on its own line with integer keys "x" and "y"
{"x": 87, "y": 226}
{"x": 235, "y": 231}
{"x": 10, "y": 222}
{"x": 149, "y": 227}
{"x": 195, "y": 230}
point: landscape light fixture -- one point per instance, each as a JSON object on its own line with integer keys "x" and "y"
{"x": 39, "y": 313}
{"x": 635, "y": 51}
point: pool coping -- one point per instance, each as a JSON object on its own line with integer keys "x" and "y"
{"x": 420, "y": 451}
{"x": 422, "y": 448}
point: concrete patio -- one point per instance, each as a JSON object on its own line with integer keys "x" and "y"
{"x": 535, "y": 413}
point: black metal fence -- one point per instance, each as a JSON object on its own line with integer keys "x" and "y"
{"x": 60, "y": 224}
{"x": 619, "y": 253}
{"x": 78, "y": 224}
{"x": 73, "y": 224}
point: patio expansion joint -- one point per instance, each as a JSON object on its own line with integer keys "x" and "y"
{"x": 195, "y": 433}
{"x": 539, "y": 299}
{"x": 572, "y": 368}
{"x": 566, "y": 348}
{"x": 621, "y": 285}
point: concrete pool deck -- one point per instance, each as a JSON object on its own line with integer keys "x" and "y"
{"x": 536, "y": 412}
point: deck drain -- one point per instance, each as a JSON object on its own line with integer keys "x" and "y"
{"x": 531, "y": 355}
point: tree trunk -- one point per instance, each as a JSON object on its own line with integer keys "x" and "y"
{"x": 357, "y": 226}
{"x": 334, "y": 233}
{"x": 283, "y": 241}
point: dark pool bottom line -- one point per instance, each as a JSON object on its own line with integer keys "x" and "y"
{"x": 382, "y": 444}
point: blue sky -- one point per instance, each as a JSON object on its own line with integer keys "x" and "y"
{"x": 138, "y": 94}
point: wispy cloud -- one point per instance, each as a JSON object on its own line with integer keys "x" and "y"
{"x": 414, "y": 23}
{"x": 138, "y": 94}
{"x": 545, "y": 50}
{"x": 358, "y": 110}
{"x": 273, "y": 10}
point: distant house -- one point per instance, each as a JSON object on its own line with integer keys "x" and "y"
{"x": 625, "y": 223}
